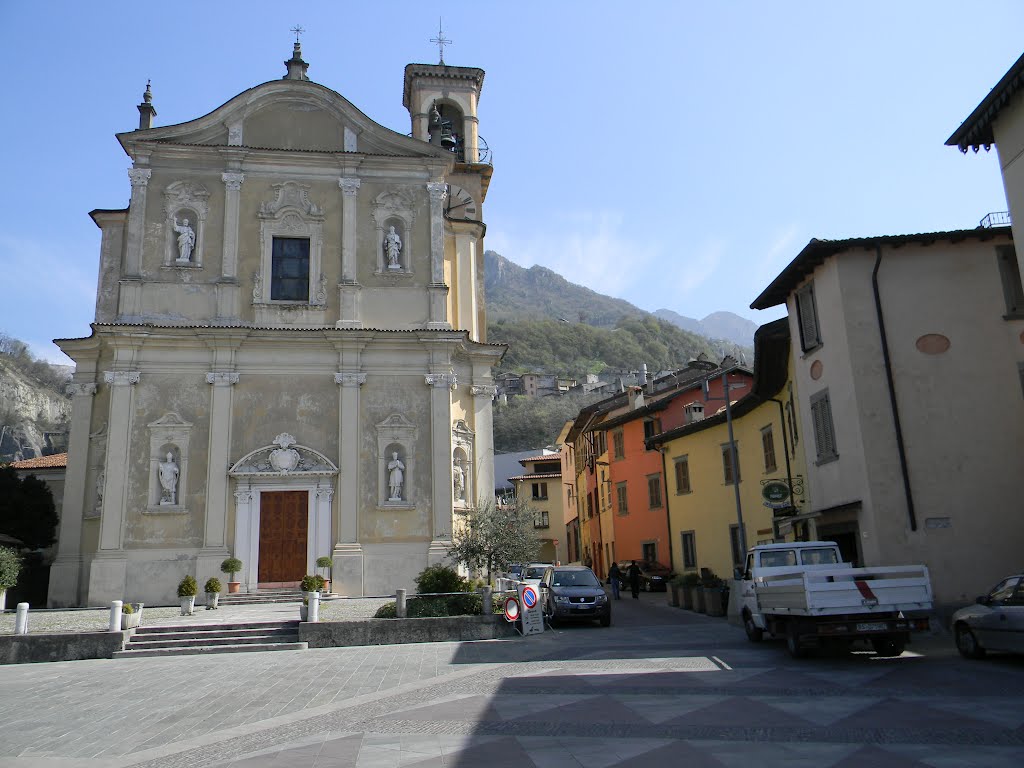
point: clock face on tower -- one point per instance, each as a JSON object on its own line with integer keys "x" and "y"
{"x": 459, "y": 204}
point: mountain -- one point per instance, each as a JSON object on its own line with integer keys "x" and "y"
{"x": 554, "y": 326}
{"x": 34, "y": 410}
{"x": 717, "y": 325}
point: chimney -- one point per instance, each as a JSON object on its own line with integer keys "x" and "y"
{"x": 636, "y": 398}
{"x": 146, "y": 109}
{"x": 693, "y": 412}
{"x": 642, "y": 379}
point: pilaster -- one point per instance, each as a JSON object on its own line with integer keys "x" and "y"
{"x": 215, "y": 529}
{"x": 349, "y": 288}
{"x": 441, "y": 387}
{"x": 437, "y": 317}
{"x": 228, "y": 290}
{"x": 483, "y": 422}
{"x": 66, "y": 571}
{"x": 348, "y": 552}
{"x": 136, "y": 220}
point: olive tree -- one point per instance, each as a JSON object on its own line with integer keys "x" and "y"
{"x": 494, "y": 536}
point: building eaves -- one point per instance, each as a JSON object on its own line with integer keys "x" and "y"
{"x": 542, "y": 457}
{"x": 976, "y": 131}
{"x": 55, "y": 461}
{"x": 168, "y": 142}
{"x": 771, "y": 371}
{"x": 538, "y": 476}
{"x": 817, "y": 251}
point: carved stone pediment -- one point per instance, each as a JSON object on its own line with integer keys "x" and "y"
{"x": 293, "y": 196}
{"x": 283, "y": 457}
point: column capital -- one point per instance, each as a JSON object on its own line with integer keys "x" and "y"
{"x": 350, "y": 379}
{"x": 243, "y": 495}
{"x": 232, "y": 180}
{"x": 117, "y": 378}
{"x": 76, "y": 389}
{"x": 438, "y": 190}
{"x": 441, "y": 380}
{"x": 221, "y": 378}
{"x": 139, "y": 176}
{"x": 349, "y": 185}
{"x": 488, "y": 390}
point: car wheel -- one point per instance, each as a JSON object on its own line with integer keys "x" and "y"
{"x": 967, "y": 643}
{"x": 888, "y": 646}
{"x": 754, "y": 633}
{"x": 793, "y": 645}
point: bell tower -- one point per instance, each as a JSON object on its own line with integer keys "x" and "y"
{"x": 442, "y": 102}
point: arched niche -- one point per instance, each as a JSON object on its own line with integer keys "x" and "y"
{"x": 186, "y": 205}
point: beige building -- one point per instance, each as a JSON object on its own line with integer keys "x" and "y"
{"x": 289, "y": 357}
{"x": 541, "y": 486}
{"x": 909, "y": 367}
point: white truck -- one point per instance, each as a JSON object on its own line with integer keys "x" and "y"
{"x": 805, "y": 593}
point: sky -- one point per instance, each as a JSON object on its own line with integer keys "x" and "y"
{"x": 674, "y": 154}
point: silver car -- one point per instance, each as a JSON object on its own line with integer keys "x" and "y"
{"x": 994, "y": 623}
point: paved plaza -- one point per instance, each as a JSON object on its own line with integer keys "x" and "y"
{"x": 661, "y": 687}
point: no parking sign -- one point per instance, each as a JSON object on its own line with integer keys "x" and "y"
{"x": 531, "y": 613}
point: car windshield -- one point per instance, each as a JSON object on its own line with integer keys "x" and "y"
{"x": 574, "y": 579}
{"x": 655, "y": 567}
{"x": 515, "y": 570}
{"x": 535, "y": 572}
{"x": 819, "y": 556}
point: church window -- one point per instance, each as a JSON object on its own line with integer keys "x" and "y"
{"x": 289, "y": 276}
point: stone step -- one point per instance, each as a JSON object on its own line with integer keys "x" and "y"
{"x": 210, "y": 636}
{"x": 201, "y": 649}
{"x": 176, "y": 641}
{"x": 241, "y": 626}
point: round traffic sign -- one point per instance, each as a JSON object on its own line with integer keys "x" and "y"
{"x": 529, "y": 597}
{"x": 511, "y": 609}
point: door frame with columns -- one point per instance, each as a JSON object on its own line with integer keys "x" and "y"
{"x": 282, "y": 466}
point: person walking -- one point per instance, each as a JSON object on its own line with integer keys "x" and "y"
{"x": 614, "y": 576}
{"x": 633, "y": 572}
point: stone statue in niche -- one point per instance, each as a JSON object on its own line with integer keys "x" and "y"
{"x": 393, "y": 248}
{"x": 100, "y": 480}
{"x": 396, "y": 476}
{"x": 186, "y": 240}
{"x": 459, "y": 480}
{"x": 168, "y": 481}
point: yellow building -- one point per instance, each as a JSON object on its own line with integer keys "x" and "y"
{"x": 702, "y": 498}
{"x": 541, "y": 485}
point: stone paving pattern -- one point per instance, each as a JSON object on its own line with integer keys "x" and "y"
{"x": 661, "y": 687}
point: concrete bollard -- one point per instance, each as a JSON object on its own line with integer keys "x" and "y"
{"x": 400, "y": 603}
{"x": 115, "y": 616}
{"x": 488, "y": 607}
{"x": 314, "y": 607}
{"x": 21, "y": 620}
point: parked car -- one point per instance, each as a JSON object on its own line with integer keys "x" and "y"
{"x": 994, "y": 623}
{"x": 534, "y": 572}
{"x": 574, "y": 593}
{"x": 654, "y": 576}
{"x": 515, "y": 571}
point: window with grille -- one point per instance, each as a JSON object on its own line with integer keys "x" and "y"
{"x": 620, "y": 492}
{"x": 727, "y": 463}
{"x": 807, "y": 316}
{"x": 682, "y": 468}
{"x": 768, "y": 446}
{"x": 654, "y": 491}
{"x": 652, "y": 427}
{"x": 824, "y": 432}
{"x": 540, "y": 520}
{"x": 689, "y": 548}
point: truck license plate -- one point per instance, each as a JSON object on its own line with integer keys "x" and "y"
{"x": 872, "y": 626}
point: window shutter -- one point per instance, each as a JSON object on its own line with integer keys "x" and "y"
{"x": 808, "y": 317}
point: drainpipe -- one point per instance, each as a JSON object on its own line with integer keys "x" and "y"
{"x": 892, "y": 391}
{"x": 663, "y": 450}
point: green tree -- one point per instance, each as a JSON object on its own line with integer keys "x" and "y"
{"x": 495, "y": 536}
{"x": 27, "y": 512}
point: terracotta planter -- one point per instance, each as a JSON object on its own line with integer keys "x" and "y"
{"x": 234, "y": 586}
{"x": 327, "y": 586}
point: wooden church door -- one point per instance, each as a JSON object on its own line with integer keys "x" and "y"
{"x": 284, "y": 523}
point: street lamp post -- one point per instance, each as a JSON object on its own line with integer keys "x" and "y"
{"x": 733, "y": 461}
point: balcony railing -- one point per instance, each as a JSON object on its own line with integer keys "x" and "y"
{"x": 996, "y": 219}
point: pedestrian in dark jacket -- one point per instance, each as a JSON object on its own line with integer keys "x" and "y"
{"x": 633, "y": 572}
{"x": 614, "y": 578}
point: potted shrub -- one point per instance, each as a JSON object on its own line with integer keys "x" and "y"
{"x": 187, "y": 589}
{"x": 130, "y": 617}
{"x": 713, "y": 595}
{"x": 689, "y": 583}
{"x": 10, "y": 567}
{"x": 310, "y": 583}
{"x": 328, "y": 563}
{"x": 212, "y": 589}
{"x": 231, "y": 566}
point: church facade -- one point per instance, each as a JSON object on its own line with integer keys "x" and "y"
{"x": 289, "y": 356}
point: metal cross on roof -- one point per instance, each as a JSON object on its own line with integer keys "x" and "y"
{"x": 441, "y": 40}
{"x": 298, "y": 31}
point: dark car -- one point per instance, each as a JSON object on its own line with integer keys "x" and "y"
{"x": 574, "y": 593}
{"x": 654, "y": 576}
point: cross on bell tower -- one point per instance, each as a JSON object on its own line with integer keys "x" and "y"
{"x": 440, "y": 40}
